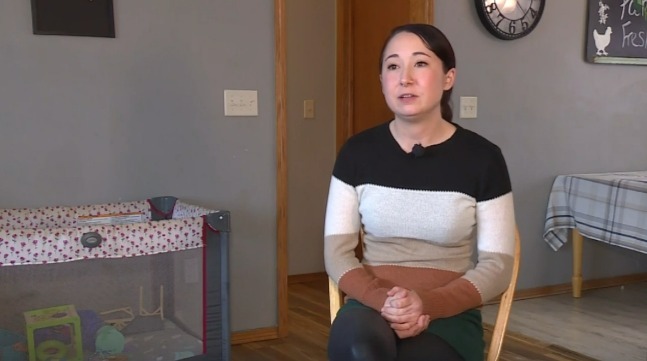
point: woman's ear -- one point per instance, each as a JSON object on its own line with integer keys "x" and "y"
{"x": 450, "y": 78}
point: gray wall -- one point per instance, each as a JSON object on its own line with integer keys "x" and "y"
{"x": 93, "y": 120}
{"x": 551, "y": 113}
{"x": 311, "y": 142}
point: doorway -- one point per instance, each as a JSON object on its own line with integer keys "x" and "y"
{"x": 362, "y": 26}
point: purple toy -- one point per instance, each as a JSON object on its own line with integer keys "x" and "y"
{"x": 90, "y": 324}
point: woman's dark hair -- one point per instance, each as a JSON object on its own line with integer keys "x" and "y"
{"x": 437, "y": 42}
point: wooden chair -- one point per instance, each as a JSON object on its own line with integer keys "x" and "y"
{"x": 503, "y": 314}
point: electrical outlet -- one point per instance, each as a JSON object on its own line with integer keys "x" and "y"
{"x": 240, "y": 103}
{"x": 468, "y": 107}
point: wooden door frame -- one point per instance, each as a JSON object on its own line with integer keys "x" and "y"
{"x": 280, "y": 63}
{"x": 421, "y": 11}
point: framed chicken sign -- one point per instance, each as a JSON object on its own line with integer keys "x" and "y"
{"x": 617, "y": 32}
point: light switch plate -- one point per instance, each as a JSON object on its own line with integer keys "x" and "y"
{"x": 240, "y": 103}
{"x": 309, "y": 109}
{"x": 468, "y": 107}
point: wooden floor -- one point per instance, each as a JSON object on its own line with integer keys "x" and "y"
{"x": 607, "y": 324}
{"x": 308, "y": 335}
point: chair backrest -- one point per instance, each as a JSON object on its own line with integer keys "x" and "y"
{"x": 503, "y": 314}
{"x": 505, "y": 304}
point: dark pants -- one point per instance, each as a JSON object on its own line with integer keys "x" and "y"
{"x": 361, "y": 334}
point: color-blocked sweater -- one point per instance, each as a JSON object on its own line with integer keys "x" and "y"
{"x": 421, "y": 217}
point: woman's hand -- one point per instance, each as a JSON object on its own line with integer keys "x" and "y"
{"x": 402, "y": 306}
{"x": 403, "y": 310}
{"x": 414, "y": 330}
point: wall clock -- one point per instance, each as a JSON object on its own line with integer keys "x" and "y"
{"x": 510, "y": 19}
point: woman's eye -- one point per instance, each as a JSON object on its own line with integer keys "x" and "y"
{"x": 391, "y": 66}
{"x": 421, "y": 64}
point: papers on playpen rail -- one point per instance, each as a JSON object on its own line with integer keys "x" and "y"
{"x": 114, "y": 218}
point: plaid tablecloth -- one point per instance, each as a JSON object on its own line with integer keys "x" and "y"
{"x": 608, "y": 207}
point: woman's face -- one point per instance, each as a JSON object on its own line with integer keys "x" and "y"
{"x": 413, "y": 79}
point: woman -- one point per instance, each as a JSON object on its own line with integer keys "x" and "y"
{"x": 424, "y": 193}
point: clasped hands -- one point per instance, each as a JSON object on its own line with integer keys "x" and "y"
{"x": 403, "y": 310}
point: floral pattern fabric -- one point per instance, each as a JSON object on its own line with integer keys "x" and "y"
{"x": 51, "y": 235}
{"x": 186, "y": 210}
{"x": 60, "y": 216}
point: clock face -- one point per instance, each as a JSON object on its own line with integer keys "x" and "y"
{"x": 510, "y": 19}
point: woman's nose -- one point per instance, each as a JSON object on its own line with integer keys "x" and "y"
{"x": 405, "y": 78}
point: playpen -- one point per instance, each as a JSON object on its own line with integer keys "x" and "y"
{"x": 130, "y": 281}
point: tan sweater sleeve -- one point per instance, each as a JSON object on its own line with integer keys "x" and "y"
{"x": 350, "y": 275}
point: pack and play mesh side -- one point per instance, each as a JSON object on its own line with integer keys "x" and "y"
{"x": 153, "y": 290}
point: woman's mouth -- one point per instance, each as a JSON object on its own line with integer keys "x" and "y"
{"x": 406, "y": 97}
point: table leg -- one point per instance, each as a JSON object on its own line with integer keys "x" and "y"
{"x": 577, "y": 263}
